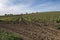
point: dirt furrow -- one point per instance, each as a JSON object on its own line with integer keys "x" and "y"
{"x": 33, "y": 32}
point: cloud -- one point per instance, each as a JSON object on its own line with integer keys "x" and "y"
{"x": 9, "y": 7}
{"x": 23, "y": 6}
{"x": 47, "y": 6}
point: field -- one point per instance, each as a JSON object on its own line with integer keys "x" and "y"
{"x": 34, "y": 26}
{"x": 48, "y": 16}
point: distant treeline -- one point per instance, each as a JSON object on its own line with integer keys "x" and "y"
{"x": 8, "y": 14}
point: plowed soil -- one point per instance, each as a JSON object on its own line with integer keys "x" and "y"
{"x": 33, "y": 31}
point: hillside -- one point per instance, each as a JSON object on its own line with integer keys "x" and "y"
{"x": 34, "y": 26}
{"x": 33, "y": 16}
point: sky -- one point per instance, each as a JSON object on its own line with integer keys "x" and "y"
{"x": 28, "y": 6}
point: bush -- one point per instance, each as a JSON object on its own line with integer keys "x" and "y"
{"x": 8, "y": 35}
{"x": 1, "y": 20}
{"x": 58, "y": 27}
{"x": 58, "y": 21}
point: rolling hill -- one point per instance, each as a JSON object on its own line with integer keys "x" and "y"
{"x": 34, "y": 26}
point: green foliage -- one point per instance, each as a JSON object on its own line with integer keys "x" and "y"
{"x": 57, "y": 27}
{"x": 1, "y": 20}
{"x": 48, "y": 16}
{"x": 8, "y": 36}
{"x": 58, "y": 21}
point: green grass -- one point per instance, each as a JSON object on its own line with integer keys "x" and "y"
{"x": 4, "y": 35}
{"x": 48, "y": 16}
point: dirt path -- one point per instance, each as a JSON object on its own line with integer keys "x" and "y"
{"x": 33, "y": 32}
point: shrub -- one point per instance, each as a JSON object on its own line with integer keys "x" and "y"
{"x": 58, "y": 21}
{"x": 58, "y": 27}
{"x": 8, "y": 35}
{"x": 1, "y": 20}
